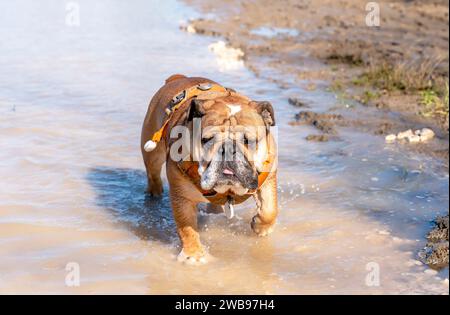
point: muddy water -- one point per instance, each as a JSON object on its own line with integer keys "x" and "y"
{"x": 72, "y": 100}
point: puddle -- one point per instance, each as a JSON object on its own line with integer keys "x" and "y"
{"x": 72, "y": 101}
{"x": 274, "y": 32}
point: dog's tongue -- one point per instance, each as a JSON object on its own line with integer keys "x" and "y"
{"x": 227, "y": 171}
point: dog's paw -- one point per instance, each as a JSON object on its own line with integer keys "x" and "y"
{"x": 155, "y": 189}
{"x": 194, "y": 259}
{"x": 260, "y": 228}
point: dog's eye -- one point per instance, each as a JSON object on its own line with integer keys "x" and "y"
{"x": 246, "y": 140}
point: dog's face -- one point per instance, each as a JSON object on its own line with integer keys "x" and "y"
{"x": 234, "y": 142}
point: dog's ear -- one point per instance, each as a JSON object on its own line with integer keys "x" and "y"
{"x": 196, "y": 109}
{"x": 265, "y": 109}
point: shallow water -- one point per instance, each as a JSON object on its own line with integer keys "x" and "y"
{"x": 72, "y": 101}
{"x": 274, "y": 31}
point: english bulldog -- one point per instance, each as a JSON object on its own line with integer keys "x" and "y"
{"x": 219, "y": 148}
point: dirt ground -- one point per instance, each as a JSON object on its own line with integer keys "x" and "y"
{"x": 400, "y": 66}
{"x": 436, "y": 253}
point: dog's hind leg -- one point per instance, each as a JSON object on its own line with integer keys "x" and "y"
{"x": 153, "y": 163}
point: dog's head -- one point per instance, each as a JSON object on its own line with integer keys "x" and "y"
{"x": 234, "y": 141}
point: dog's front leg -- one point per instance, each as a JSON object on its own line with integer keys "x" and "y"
{"x": 267, "y": 205}
{"x": 185, "y": 214}
{"x": 184, "y": 206}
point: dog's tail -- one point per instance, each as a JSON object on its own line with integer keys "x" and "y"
{"x": 175, "y": 77}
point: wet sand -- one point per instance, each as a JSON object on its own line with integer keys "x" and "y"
{"x": 72, "y": 102}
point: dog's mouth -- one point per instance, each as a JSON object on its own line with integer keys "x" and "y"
{"x": 228, "y": 172}
{"x": 238, "y": 176}
{"x": 229, "y": 175}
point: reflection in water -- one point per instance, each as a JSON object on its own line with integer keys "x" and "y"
{"x": 72, "y": 100}
{"x": 122, "y": 192}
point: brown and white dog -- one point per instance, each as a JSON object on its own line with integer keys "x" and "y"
{"x": 231, "y": 161}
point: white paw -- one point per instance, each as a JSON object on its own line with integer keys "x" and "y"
{"x": 194, "y": 260}
{"x": 261, "y": 229}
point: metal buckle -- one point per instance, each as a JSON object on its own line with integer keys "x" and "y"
{"x": 178, "y": 98}
{"x": 204, "y": 86}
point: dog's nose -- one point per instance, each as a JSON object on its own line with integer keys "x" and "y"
{"x": 228, "y": 151}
